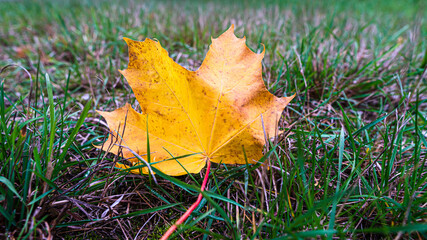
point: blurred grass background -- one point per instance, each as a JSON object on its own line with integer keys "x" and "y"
{"x": 352, "y": 165}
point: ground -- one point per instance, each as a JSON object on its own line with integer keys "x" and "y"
{"x": 350, "y": 162}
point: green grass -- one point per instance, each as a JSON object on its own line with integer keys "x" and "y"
{"x": 352, "y": 163}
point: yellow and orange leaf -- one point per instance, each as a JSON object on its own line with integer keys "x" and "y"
{"x": 211, "y": 113}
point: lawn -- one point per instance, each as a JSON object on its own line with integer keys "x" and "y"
{"x": 350, "y": 161}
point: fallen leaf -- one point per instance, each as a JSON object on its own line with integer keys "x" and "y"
{"x": 210, "y": 114}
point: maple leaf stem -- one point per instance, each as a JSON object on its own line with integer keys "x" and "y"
{"x": 191, "y": 209}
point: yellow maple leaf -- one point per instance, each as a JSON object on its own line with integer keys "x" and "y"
{"x": 211, "y": 114}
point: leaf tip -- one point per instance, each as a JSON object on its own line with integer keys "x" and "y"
{"x": 128, "y": 40}
{"x": 263, "y": 50}
{"x": 227, "y": 34}
{"x": 287, "y": 100}
{"x": 231, "y": 28}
